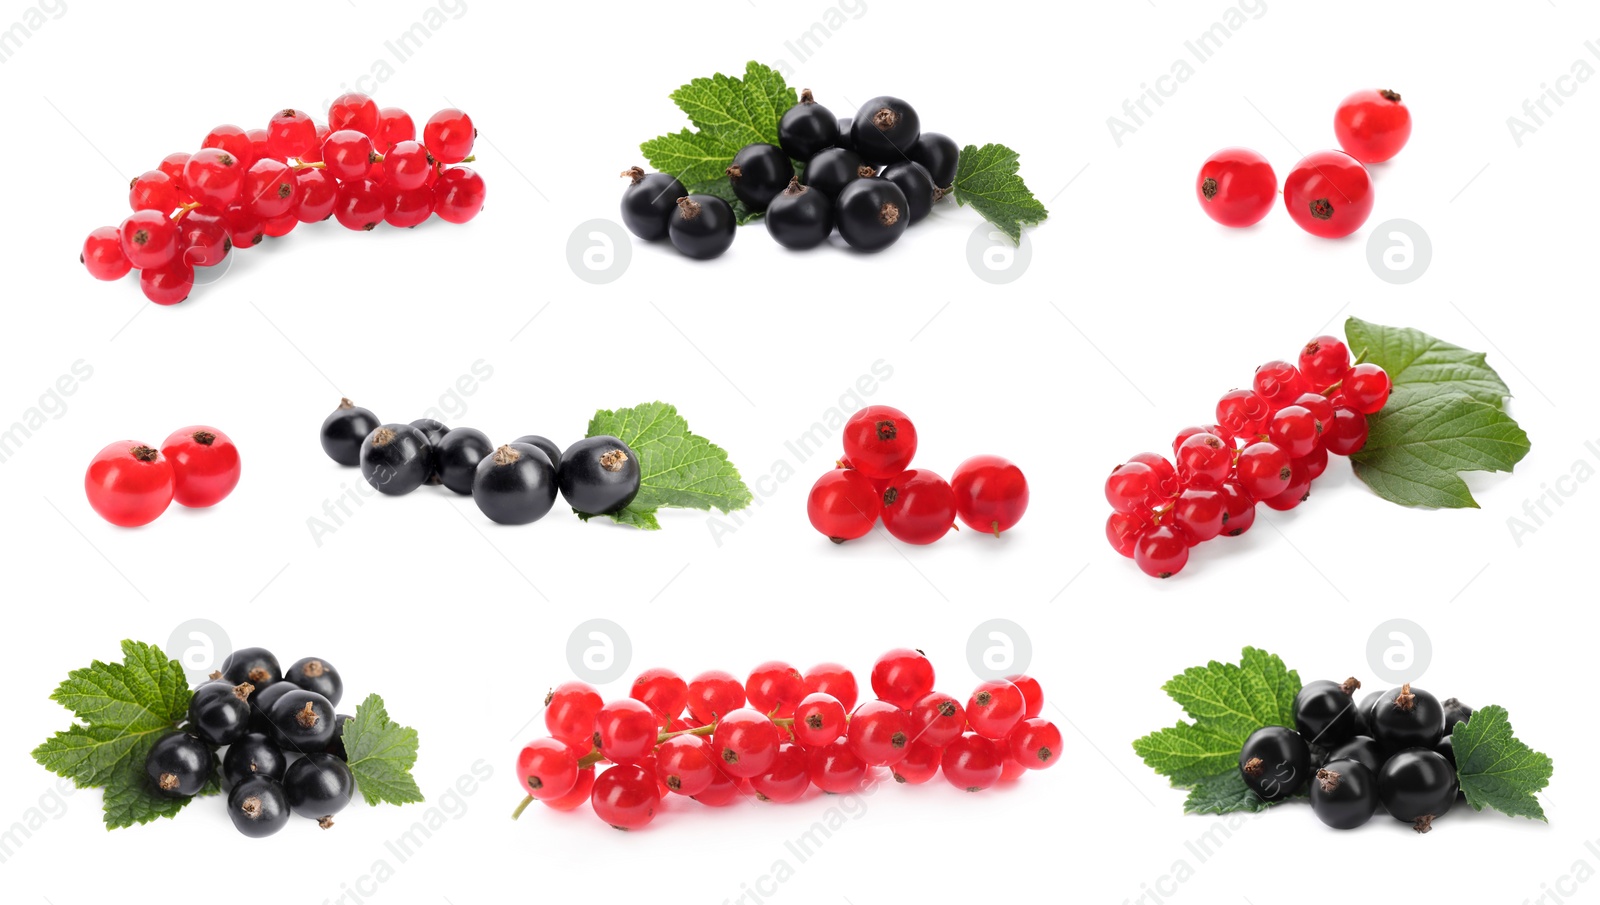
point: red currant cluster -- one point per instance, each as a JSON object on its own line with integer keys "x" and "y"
{"x": 1328, "y": 193}
{"x": 364, "y": 167}
{"x": 874, "y": 478}
{"x": 777, "y": 735}
{"x": 1269, "y": 443}
{"x": 130, "y": 484}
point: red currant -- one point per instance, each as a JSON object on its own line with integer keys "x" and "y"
{"x": 787, "y": 779}
{"x": 1315, "y": 462}
{"x": 662, "y": 691}
{"x": 902, "y": 676}
{"x": 920, "y": 764}
{"x": 1236, "y": 187}
{"x": 1324, "y": 362}
{"x": 833, "y": 679}
{"x": 245, "y": 230}
{"x": 1295, "y": 430}
{"x": 1215, "y": 430}
{"x": 1161, "y": 552}
{"x": 1296, "y": 493}
{"x": 1032, "y": 695}
{"x": 1366, "y": 388}
{"x": 548, "y": 769}
{"x": 712, "y": 694}
{"x": 458, "y": 195}
{"x": 291, "y": 133}
{"x": 270, "y": 189}
{"x": 1123, "y": 530}
{"x": 259, "y": 149}
{"x": 880, "y": 441}
{"x": 1372, "y": 126}
{"x": 172, "y": 165}
{"x": 1204, "y": 460}
{"x": 835, "y": 768}
{"x": 449, "y": 135}
{"x": 1035, "y": 743}
{"x": 626, "y": 731}
{"x": 314, "y": 153}
{"x": 879, "y": 733}
{"x": 684, "y": 764}
{"x": 154, "y": 191}
{"x": 1263, "y": 470}
{"x": 354, "y": 111}
{"x": 214, "y": 178}
{"x": 103, "y": 254}
{"x": 318, "y": 194}
{"x": 1242, "y": 413}
{"x": 775, "y": 687}
{"x": 745, "y": 742}
{"x": 1166, "y": 476}
{"x": 1241, "y": 509}
{"x": 408, "y": 165}
{"x": 843, "y": 505}
{"x": 570, "y": 713}
{"x": 394, "y": 126}
{"x": 723, "y": 790}
{"x": 149, "y": 239}
{"x": 991, "y": 493}
{"x": 1348, "y": 433}
{"x": 203, "y": 239}
{"x": 1132, "y": 487}
{"x": 1010, "y": 770}
{"x": 168, "y": 284}
{"x": 1279, "y": 383}
{"x": 919, "y": 507}
{"x": 938, "y": 719}
{"x": 348, "y": 155}
{"x": 1199, "y": 513}
{"x": 994, "y": 709}
{"x": 205, "y": 465}
{"x": 280, "y": 226}
{"x": 234, "y": 141}
{"x": 579, "y": 794}
{"x": 361, "y": 205}
{"x": 972, "y": 762}
{"x": 1319, "y": 405}
{"x": 626, "y": 797}
{"x": 129, "y": 484}
{"x": 1329, "y": 194}
{"x": 818, "y": 719}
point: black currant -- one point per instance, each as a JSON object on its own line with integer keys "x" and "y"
{"x": 807, "y": 128}
{"x": 218, "y": 712}
{"x": 1364, "y": 712}
{"x": 885, "y": 129}
{"x": 458, "y": 455}
{"x": 1407, "y": 717}
{"x": 1275, "y": 762}
{"x": 648, "y": 201}
{"x": 758, "y": 173}
{"x": 552, "y": 451}
{"x": 1447, "y": 749}
{"x": 1361, "y": 748}
{"x": 336, "y": 747}
{"x": 255, "y": 665}
{"x": 1418, "y": 786}
{"x": 432, "y": 431}
{"x": 871, "y": 214}
{"x": 599, "y": 475}
{"x": 316, "y": 675}
{"x": 800, "y": 217}
{"x": 343, "y": 431}
{"x": 940, "y": 154}
{"x": 261, "y": 702}
{"x": 1344, "y": 794}
{"x": 832, "y": 169}
{"x": 396, "y": 459}
{"x": 318, "y": 786}
{"x": 179, "y": 765}
{"x": 516, "y": 485}
{"x": 302, "y": 722}
{"x": 702, "y": 227}
{"x": 258, "y": 807}
{"x": 253, "y": 755}
{"x": 1454, "y": 712}
{"x": 1325, "y": 712}
{"x": 916, "y": 184}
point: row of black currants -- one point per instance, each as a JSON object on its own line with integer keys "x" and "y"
{"x": 1394, "y": 749}
{"x": 513, "y": 484}
{"x": 871, "y": 177}
{"x": 284, "y": 743}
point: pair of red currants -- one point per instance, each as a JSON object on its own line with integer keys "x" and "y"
{"x": 130, "y": 483}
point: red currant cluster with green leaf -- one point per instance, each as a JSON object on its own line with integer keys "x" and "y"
{"x": 1269, "y": 443}
{"x": 777, "y": 735}
{"x": 364, "y": 167}
{"x": 874, "y": 479}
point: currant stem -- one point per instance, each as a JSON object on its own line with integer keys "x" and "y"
{"x": 184, "y": 210}
{"x": 302, "y": 165}
{"x": 522, "y": 807}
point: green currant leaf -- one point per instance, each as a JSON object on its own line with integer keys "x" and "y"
{"x": 381, "y": 754}
{"x": 727, "y": 113}
{"x": 123, "y": 709}
{"x": 1425, "y": 436}
{"x": 1496, "y": 769}
{"x": 1413, "y": 358}
{"x": 986, "y": 179}
{"x": 677, "y": 468}
{"x": 1226, "y": 793}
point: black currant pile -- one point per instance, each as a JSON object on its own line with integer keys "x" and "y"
{"x": 513, "y": 484}
{"x": 871, "y": 177}
{"x": 281, "y": 743}
{"x": 1392, "y": 749}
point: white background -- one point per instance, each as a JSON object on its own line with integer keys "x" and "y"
{"x": 1135, "y": 314}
